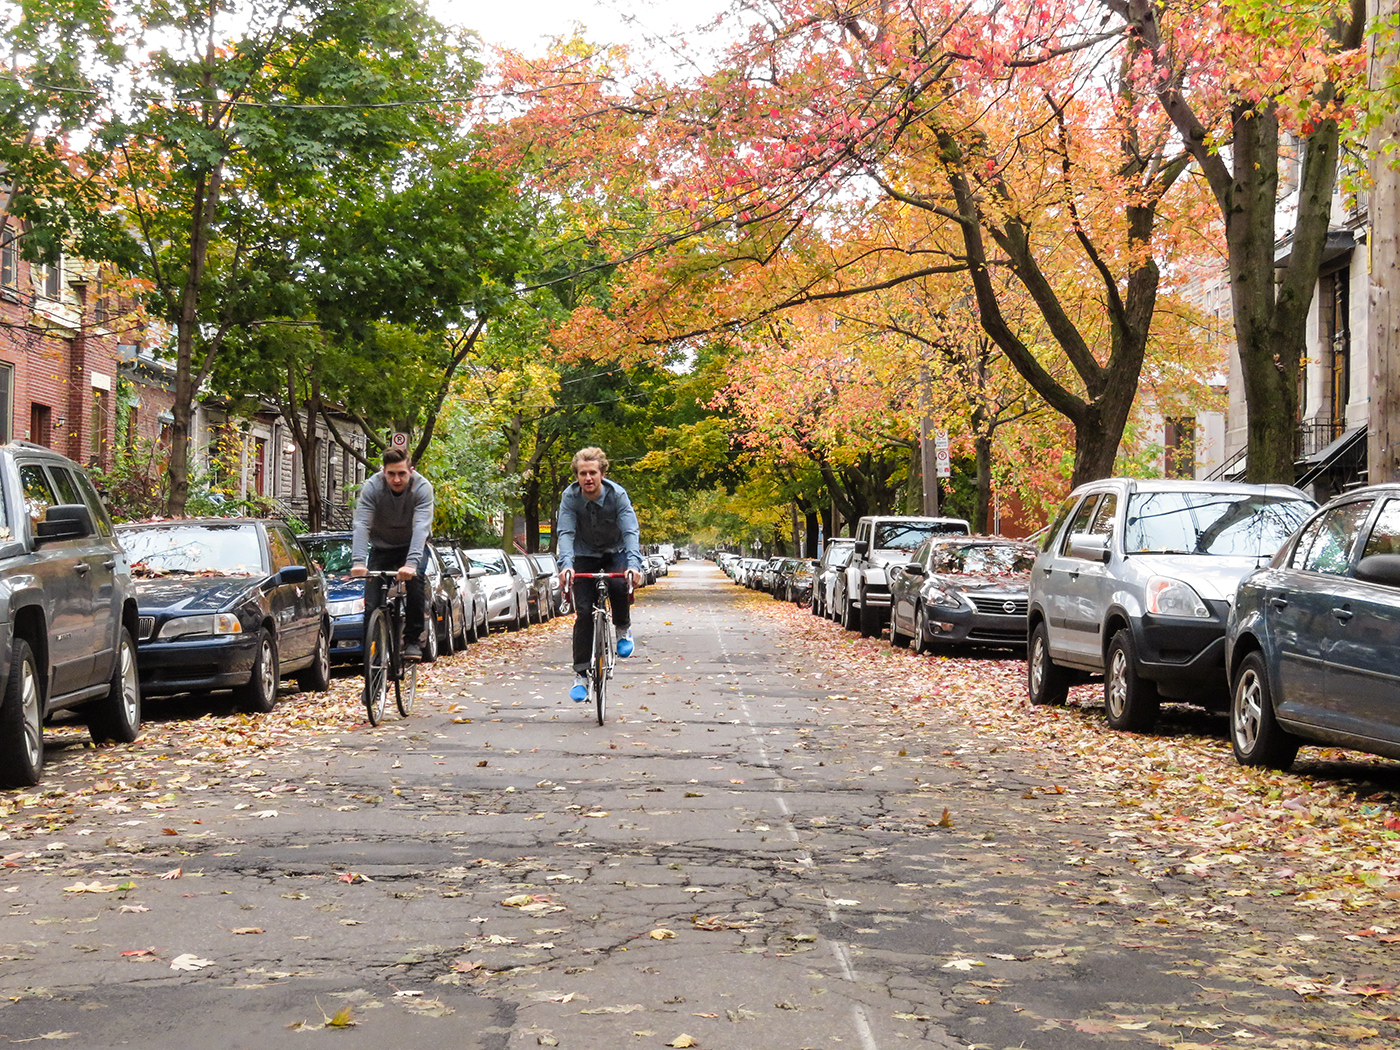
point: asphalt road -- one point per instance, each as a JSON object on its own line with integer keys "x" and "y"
{"x": 745, "y": 858}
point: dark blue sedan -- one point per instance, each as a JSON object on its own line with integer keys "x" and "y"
{"x": 1314, "y": 637}
{"x": 227, "y": 603}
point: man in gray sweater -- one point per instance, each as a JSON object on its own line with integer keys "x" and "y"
{"x": 393, "y": 519}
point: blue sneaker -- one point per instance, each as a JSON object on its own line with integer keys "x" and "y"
{"x": 579, "y": 693}
{"x": 624, "y": 644}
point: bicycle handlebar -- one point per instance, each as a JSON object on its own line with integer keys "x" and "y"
{"x": 600, "y": 575}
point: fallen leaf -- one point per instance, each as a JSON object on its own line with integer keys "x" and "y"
{"x": 661, "y": 935}
{"x": 962, "y": 964}
{"x": 189, "y": 962}
{"x": 684, "y": 1040}
{"x": 90, "y": 887}
{"x": 173, "y": 873}
{"x": 139, "y": 951}
{"x": 246, "y": 929}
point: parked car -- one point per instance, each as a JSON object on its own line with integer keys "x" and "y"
{"x": 473, "y": 623}
{"x": 1311, "y": 643}
{"x": 227, "y": 603}
{"x": 780, "y": 569}
{"x": 446, "y": 602}
{"x": 836, "y": 555}
{"x": 507, "y": 600}
{"x": 536, "y": 587}
{"x": 960, "y": 591}
{"x": 797, "y": 580}
{"x": 560, "y": 604}
{"x": 1135, "y": 582}
{"x": 68, "y": 615}
{"x": 882, "y": 541}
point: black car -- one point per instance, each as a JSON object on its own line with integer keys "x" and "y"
{"x": 227, "y": 603}
{"x": 961, "y": 591}
{"x": 1311, "y": 640}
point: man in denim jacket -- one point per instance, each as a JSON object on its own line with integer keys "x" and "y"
{"x": 597, "y": 532}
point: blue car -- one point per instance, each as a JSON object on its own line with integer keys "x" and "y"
{"x": 227, "y": 603}
{"x": 1311, "y": 643}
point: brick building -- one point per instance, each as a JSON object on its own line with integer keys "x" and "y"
{"x": 58, "y": 354}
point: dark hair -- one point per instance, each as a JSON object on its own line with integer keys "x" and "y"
{"x": 394, "y": 455}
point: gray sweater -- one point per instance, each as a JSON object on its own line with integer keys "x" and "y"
{"x": 383, "y": 519}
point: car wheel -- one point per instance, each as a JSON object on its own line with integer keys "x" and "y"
{"x": 430, "y": 639}
{"x": 515, "y": 623}
{"x": 260, "y": 694}
{"x": 461, "y": 638}
{"x": 1130, "y": 701}
{"x": 21, "y": 727}
{"x": 850, "y": 615}
{"x": 896, "y": 637}
{"x": 922, "y": 642}
{"x": 870, "y": 625}
{"x": 317, "y": 677}
{"x": 1255, "y": 735}
{"x": 449, "y": 633}
{"x": 116, "y": 719}
{"x": 816, "y": 605}
{"x": 1046, "y": 681}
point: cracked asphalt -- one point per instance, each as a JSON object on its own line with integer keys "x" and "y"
{"x": 743, "y": 858}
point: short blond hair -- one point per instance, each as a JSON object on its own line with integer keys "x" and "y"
{"x": 592, "y": 454}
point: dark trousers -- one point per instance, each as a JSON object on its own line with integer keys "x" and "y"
{"x": 391, "y": 559}
{"x": 586, "y": 592}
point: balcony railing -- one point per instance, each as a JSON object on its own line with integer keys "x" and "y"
{"x": 1313, "y": 436}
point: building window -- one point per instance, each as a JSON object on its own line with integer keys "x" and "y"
{"x": 7, "y": 389}
{"x": 9, "y": 259}
{"x": 1336, "y": 347}
{"x": 98, "y": 449}
{"x": 260, "y": 466}
{"x": 1180, "y": 446}
{"x": 41, "y": 425}
{"x": 51, "y": 279}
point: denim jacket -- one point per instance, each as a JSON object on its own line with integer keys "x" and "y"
{"x": 593, "y": 528}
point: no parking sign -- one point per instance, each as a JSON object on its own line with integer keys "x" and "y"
{"x": 399, "y": 441}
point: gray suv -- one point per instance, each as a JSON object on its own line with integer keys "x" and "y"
{"x": 1134, "y": 582}
{"x": 67, "y": 611}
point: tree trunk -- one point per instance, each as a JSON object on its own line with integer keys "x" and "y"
{"x": 511, "y": 468}
{"x": 982, "y": 455}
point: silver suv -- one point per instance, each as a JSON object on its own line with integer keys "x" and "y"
{"x": 67, "y": 611}
{"x": 1134, "y": 582}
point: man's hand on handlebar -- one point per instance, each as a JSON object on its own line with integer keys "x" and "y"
{"x": 358, "y": 570}
{"x": 566, "y": 579}
{"x": 634, "y": 577}
{"x": 407, "y": 572}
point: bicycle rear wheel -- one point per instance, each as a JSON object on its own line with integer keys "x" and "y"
{"x": 599, "y": 666}
{"x": 376, "y": 665}
{"x": 407, "y": 690}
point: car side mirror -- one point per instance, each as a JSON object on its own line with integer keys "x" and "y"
{"x": 293, "y": 574}
{"x": 1380, "y": 568}
{"x": 64, "y": 521}
{"x": 476, "y": 572}
{"x": 914, "y": 568}
{"x": 861, "y": 547}
{"x": 1089, "y": 546}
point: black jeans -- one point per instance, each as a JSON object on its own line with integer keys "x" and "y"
{"x": 586, "y": 592}
{"x": 391, "y": 559}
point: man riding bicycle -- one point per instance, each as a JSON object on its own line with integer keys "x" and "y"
{"x": 597, "y": 532}
{"x": 393, "y": 519}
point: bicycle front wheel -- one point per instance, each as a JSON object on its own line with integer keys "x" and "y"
{"x": 599, "y": 666}
{"x": 407, "y": 690}
{"x": 377, "y": 658}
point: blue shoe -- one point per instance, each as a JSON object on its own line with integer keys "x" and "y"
{"x": 624, "y": 644}
{"x": 579, "y": 693}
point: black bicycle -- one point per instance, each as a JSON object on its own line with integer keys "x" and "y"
{"x": 384, "y": 662}
{"x": 603, "y": 657}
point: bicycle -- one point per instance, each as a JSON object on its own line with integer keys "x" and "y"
{"x": 604, "y": 653}
{"x": 384, "y": 662}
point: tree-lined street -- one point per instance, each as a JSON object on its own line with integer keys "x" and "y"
{"x": 788, "y": 838}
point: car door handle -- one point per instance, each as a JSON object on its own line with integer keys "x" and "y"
{"x": 82, "y": 568}
{"x": 1279, "y": 603}
{"x": 1342, "y": 614}
{"x": 110, "y": 563}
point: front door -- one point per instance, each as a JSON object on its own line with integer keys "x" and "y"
{"x": 65, "y": 579}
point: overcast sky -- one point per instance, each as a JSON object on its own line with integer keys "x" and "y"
{"x": 527, "y": 25}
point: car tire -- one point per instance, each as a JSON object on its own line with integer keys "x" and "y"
{"x": 1255, "y": 735}
{"x": 870, "y": 625}
{"x": 922, "y": 644}
{"x": 816, "y": 605}
{"x": 317, "y": 677}
{"x": 21, "y": 720}
{"x": 1131, "y": 702}
{"x": 850, "y": 615}
{"x": 260, "y": 694}
{"x": 514, "y": 623}
{"x": 1047, "y": 684}
{"x": 449, "y": 629}
{"x": 430, "y": 639}
{"x": 460, "y": 641}
{"x": 897, "y": 638}
{"x": 116, "y": 719}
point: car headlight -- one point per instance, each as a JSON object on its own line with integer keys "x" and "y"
{"x": 1169, "y": 597}
{"x": 346, "y": 608}
{"x": 500, "y": 591}
{"x": 212, "y": 624}
{"x": 948, "y": 599}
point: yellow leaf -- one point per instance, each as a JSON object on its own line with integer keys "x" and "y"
{"x": 342, "y": 1019}
{"x": 661, "y": 935}
{"x": 684, "y": 1040}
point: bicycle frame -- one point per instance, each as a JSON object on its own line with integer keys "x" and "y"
{"x": 384, "y": 651}
{"x": 603, "y": 657}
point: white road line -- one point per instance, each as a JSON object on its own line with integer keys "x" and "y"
{"x": 843, "y": 958}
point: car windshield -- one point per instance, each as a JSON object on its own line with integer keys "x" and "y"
{"x": 491, "y": 561}
{"x": 194, "y": 550}
{"x": 1215, "y": 523}
{"x": 983, "y": 559}
{"x": 332, "y": 553}
{"x": 450, "y": 561}
{"x": 906, "y": 535}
